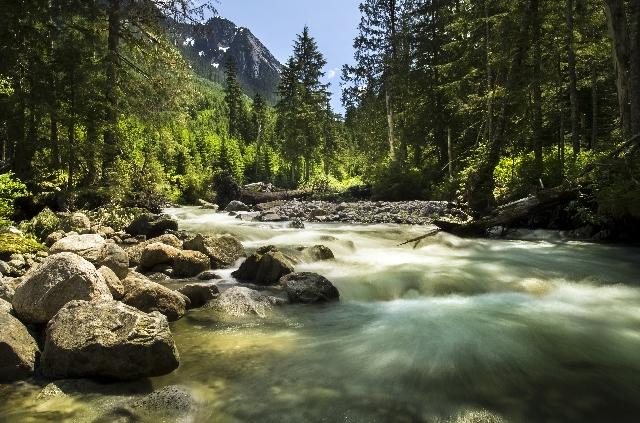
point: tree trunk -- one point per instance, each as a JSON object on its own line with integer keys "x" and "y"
{"x": 573, "y": 79}
{"x": 618, "y": 32}
{"x": 594, "y": 107}
{"x": 110, "y": 147}
{"x": 537, "y": 93}
{"x": 634, "y": 82}
{"x": 390, "y": 129}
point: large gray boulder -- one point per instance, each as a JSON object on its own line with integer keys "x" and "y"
{"x": 107, "y": 339}
{"x": 18, "y": 350}
{"x": 76, "y": 222}
{"x": 223, "y": 250}
{"x": 265, "y": 267}
{"x": 60, "y": 278}
{"x": 152, "y": 225}
{"x": 239, "y": 301}
{"x": 95, "y": 249}
{"x": 199, "y": 294}
{"x": 306, "y": 287}
{"x": 135, "y": 252}
{"x": 148, "y": 296}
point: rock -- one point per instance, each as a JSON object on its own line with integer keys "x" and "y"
{"x": 6, "y": 291}
{"x": 319, "y": 253}
{"x": 135, "y": 252}
{"x": 296, "y": 224}
{"x": 157, "y": 254}
{"x": 104, "y": 231}
{"x": 271, "y": 217}
{"x": 5, "y": 269}
{"x": 308, "y": 287}
{"x": 5, "y": 307}
{"x": 174, "y": 401}
{"x": 205, "y": 205}
{"x": 265, "y": 267}
{"x": 95, "y": 249}
{"x": 223, "y": 251}
{"x": 240, "y": 301}
{"x": 54, "y": 237}
{"x": 18, "y": 350}
{"x": 208, "y": 275}
{"x": 110, "y": 340}
{"x": 149, "y": 296}
{"x": 152, "y": 225}
{"x": 188, "y": 263}
{"x": 199, "y": 293}
{"x": 237, "y": 206}
{"x": 76, "y": 222}
{"x": 59, "y": 279}
{"x": 113, "y": 282}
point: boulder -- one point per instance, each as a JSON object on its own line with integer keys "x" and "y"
{"x": 296, "y": 224}
{"x": 199, "y": 293}
{"x": 319, "y": 253}
{"x": 223, "y": 251}
{"x": 94, "y": 248}
{"x": 188, "y": 264}
{"x": 205, "y": 205}
{"x": 76, "y": 222}
{"x": 6, "y": 290}
{"x": 113, "y": 282}
{"x": 135, "y": 252}
{"x": 149, "y": 296}
{"x": 18, "y": 350}
{"x": 53, "y": 237}
{"x": 5, "y": 306}
{"x": 308, "y": 287}
{"x": 240, "y": 302}
{"x": 59, "y": 279}
{"x": 171, "y": 401}
{"x": 208, "y": 275}
{"x": 152, "y": 225}
{"x": 107, "y": 339}
{"x": 5, "y": 269}
{"x": 157, "y": 254}
{"x": 237, "y": 206}
{"x": 265, "y": 267}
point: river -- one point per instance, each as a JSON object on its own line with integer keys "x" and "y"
{"x": 450, "y": 330}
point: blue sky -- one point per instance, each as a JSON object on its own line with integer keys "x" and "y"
{"x": 333, "y": 23}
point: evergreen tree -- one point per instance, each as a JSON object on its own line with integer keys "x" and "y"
{"x": 234, "y": 99}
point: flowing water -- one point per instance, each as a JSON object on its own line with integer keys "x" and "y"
{"x": 448, "y": 330}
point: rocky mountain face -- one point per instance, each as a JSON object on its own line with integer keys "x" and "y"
{"x": 210, "y": 45}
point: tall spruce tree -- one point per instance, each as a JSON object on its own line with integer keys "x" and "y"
{"x": 234, "y": 99}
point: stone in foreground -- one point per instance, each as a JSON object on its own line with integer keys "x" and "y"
{"x": 109, "y": 340}
{"x": 18, "y": 350}
{"x": 223, "y": 251}
{"x": 96, "y": 250}
{"x": 199, "y": 293}
{"x": 308, "y": 287}
{"x": 59, "y": 279}
{"x": 240, "y": 302}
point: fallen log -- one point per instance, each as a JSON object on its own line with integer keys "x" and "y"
{"x": 511, "y": 213}
{"x": 420, "y": 238}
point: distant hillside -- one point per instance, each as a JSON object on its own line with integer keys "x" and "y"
{"x": 208, "y": 46}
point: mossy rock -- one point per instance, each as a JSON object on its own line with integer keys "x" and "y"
{"x": 44, "y": 224}
{"x": 17, "y": 244}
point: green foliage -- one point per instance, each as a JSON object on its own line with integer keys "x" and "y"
{"x": 18, "y": 244}
{"x": 115, "y": 216}
{"x": 11, "y": 189}
{"x": 43, "y": 224}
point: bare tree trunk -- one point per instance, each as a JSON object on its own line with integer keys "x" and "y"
{"x": 594, "y": 107}
{"x": 573, "y": 79}
{"x": 113, "y": 40}
{"x": 618, "y": 32}
{"x": 450, "y": 153}
{"x": 390, "y": 128}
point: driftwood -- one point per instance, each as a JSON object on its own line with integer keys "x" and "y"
{"x": 511, "y": 213}
{"x": 417, "y": 240}
{"x": 255, "y": 197}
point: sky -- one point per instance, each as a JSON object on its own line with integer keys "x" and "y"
{"x": 333, "y": 23}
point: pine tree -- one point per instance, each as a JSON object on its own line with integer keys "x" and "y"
{"x": 234, "y": 99}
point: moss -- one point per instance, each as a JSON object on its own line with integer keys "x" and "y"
{"x": 18, "y": 244}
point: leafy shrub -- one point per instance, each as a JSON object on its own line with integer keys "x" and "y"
{"x": 115, "y": 216}
{"x": 43, "y": 224}
{"x": 11, "y": 189}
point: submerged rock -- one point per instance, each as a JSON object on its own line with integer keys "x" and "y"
{"x": 108, "y": 339}
{"x": 149, "y": 296}
{"x": 18, "y": 350}
{"x": 223, "y": 251}
{"x": 173, "y": 400}
{"x": 152, "y": 225}
{"x": 306, "y": 287}
{"x": 319, "y": 253}
{"x": 199, "y": 293}
{"x": 265, "y": 267}
{"x": 59, "y": 279}
{"x": 240, "y": 302}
